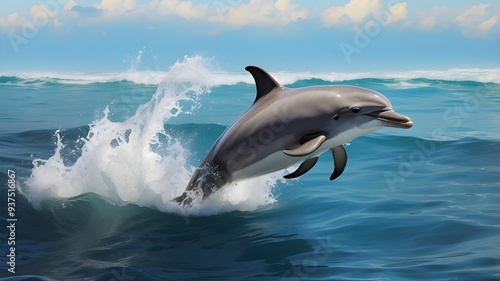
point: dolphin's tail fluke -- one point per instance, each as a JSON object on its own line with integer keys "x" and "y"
{"x": 205, "y": 181}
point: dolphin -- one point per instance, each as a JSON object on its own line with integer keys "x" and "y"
{"x": 286, "y": 126}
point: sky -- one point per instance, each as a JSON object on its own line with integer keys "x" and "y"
{"x": 284, "y": 35}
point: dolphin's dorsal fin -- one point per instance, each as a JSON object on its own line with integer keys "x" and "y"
{"x": 264, "y": 82}
{"x": 339, "y": 160}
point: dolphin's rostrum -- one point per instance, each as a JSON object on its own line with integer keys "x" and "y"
{"x": 285, "y": 126}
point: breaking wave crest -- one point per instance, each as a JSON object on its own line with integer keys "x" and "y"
{"x": 220, "y": 78}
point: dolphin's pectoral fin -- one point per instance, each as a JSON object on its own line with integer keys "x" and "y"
{"x": 303, "y": 168}
{"x": 339, "y": 160}
{"x": 306, "y": 148}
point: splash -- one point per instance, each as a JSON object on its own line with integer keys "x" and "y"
{"x": 137, "y": 161}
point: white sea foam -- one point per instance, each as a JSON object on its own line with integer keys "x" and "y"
{"x": 136, "y": 161}
{"x": 231, "y": 78}
{"x": 407, "y": 85}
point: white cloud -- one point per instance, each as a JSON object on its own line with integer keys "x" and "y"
{"x": 353, "y": 12}
{"x": 427, "y": 22}
{"x": 259, "y": 12}
{"x": 69, "y": 5}
{"x": 241, "y": 15}
{"x": 437, "y": 17}
{"x": 188, "y": 11}
{"x": 39, "y": 15}
{"x": 488, "y": 24}
{"x": 398, "y": 12}
{"x": 256, "y": 11}
{"x": 478, "y": 20}
{"x": 290, "y": 12}
{"x": 12, "y": 22}
{"x": 183, "y": 9}
{"x": 116, "y": 8}
{"x": 41, "y": 11}
{"x": 165, "y": 7}
{"x": 472, "y": 14}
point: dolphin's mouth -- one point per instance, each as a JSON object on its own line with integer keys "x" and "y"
{"x": 393, "y": 119}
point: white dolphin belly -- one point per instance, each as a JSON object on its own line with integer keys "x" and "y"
{"x": 279, "y": 160}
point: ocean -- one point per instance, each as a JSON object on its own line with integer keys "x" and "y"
{"x": 90, "y": 161}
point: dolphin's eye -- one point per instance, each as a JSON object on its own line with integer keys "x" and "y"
{"x": 355, "y": 110}
{"x": 336, "y": 117}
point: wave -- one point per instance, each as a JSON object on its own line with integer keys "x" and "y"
{"x": 407, "y": 84}
{"x": 145, "y": 77}
{"x": 101, "y": 159}
{"x": 402, "y": 80}
{"x": 137, "y": 160}
{"x": 141, "y": 160}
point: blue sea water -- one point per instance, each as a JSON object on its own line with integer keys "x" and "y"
{"x": 97, "y": 157}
